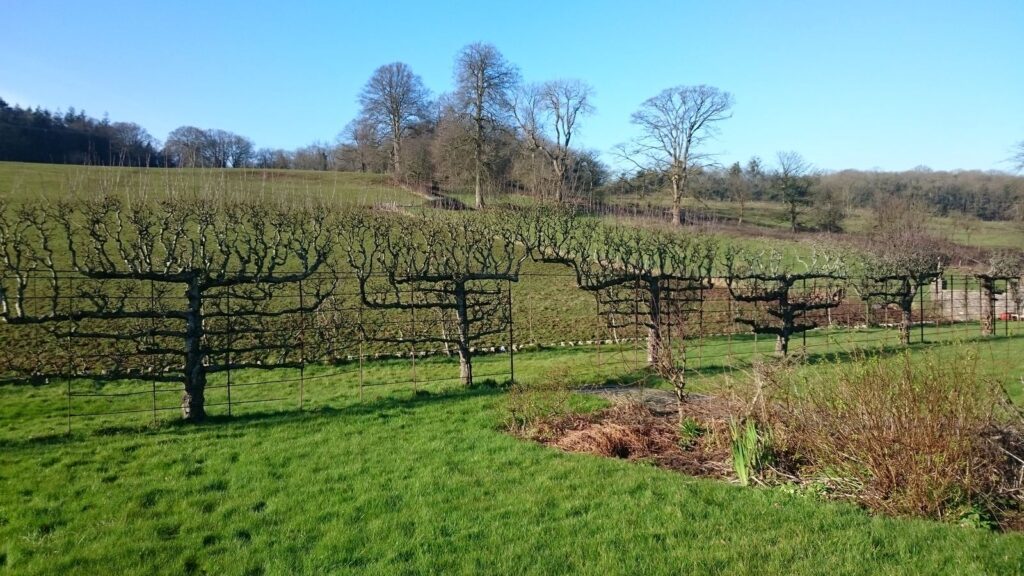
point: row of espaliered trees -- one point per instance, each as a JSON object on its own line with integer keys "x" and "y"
{"x": 177, "y": 289}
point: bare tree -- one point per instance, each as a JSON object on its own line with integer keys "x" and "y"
{"x": 792, "y": 181}
{"x": 640, "y": 278}
{"x": 1018, "y": 157}
{"x": 455, "y": 265}
{"x": 394, "y": 99}
{"x": 168, "y": 292}
{"x": 484, "y": 84}
{"x": 739, "y": 189}
{"x": 897, "y": 265}
{"x": 547, "y": 116}
{"x": 782, "y": 300}
{"x": 188, "y": 147}
{"x": 365, "y": 139}
{"x": 675, "y": 125}
{"x": 133, "y": 145}
{"x": 1006, "y": 266}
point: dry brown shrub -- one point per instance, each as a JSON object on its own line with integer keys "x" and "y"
{"x": 922, "y": 435}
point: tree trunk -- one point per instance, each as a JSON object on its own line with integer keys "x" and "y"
{"x": 462, "y": 313}
{"x": 654, "y": 345}
{"x": 654, "y": 339}
{"x": 679, "y": 380}
{"x": 782, "y": 345}
{"x": 677, "y": 198}
{"x": 479, "y": 190}
{"x": 465, "y": 366}
{"x": 396, "y": 154}
{"x": 906, "y": 319}
{"x": 988, "y": 307}
{"x": 194, "y": 400}
{"x": 478, "y": 145}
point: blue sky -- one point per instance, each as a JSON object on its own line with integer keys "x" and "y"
{"x": 857, "y": 84}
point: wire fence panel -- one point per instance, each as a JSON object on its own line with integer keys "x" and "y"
{"x": 267, "y": 351}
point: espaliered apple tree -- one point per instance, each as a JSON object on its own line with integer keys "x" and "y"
{"x": 894, "y": 270}
{"x": 782, "y": 300}
{"x": 1006, "y": 266}
{"x": 170, "y": 290}
{"x": 412, "y": 268}
{"x": 648, "y": 279}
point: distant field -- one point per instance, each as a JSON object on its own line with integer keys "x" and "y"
{"x": 773, "y": 215}
{"x": 21, "y": 180}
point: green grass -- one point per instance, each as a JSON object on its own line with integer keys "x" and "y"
{"x": 408, "y": 473}
{"x": 415, "y": 478}
{"x": 403, "y": 482}
{"x": 26, "y": 181}
{"x": 967, "y": 231}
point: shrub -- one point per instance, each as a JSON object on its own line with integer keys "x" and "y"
{"x": 905, "y": 435}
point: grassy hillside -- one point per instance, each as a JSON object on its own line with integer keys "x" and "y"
{"x": 20, "y": 180}
{"x": 967, "y": 231}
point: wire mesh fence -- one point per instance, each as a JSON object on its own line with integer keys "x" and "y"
{"x": 338, "y": 352}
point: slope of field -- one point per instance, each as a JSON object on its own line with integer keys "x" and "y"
{"x": 773, "y": 216}
{"x": 22, "y": 181}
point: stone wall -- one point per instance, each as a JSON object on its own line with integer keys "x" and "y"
{"x": 959, "y": 304}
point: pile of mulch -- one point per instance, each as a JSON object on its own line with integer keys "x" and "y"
{"x": 642, "y": 430}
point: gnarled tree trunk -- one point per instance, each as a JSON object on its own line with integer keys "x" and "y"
{"x": 193, "y": 402}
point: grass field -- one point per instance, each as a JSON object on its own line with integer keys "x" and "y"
{"x": 415, "y": 482}
{"x": 393, "y": 468}
{"x": 774, "y": 216}
{"x": 19, "y": 180}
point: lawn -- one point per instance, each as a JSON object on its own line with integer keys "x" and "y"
{"x": 413, "y": 474}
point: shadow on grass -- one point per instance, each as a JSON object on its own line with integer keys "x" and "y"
{"x": 385, "y": 406}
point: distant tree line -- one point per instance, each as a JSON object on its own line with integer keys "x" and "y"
{"x": 820, "y": 200}
{"x": 496, "y": 132}
{"x": 72, "y": 137}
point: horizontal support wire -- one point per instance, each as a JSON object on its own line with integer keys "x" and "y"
{"x": 944, "y": 312}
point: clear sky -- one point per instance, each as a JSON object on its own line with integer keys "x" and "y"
{"x": 886, "y": 84}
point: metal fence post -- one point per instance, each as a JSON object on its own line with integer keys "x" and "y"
{"x": 920, "y": 302}
{"x": 511, "y": 338}
{"x": 302, "y": 347}
{"x": 231, "y": 344}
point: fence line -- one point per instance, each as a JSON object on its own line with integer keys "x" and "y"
{"x": 562, "y": 318}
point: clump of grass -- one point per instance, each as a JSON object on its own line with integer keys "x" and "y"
{"x": 533, "y": 407}
{"x": 690, "y": 430}
{"x": 920, "y": 435}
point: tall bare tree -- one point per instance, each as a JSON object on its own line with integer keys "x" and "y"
{"x": 484, "y": 85}
{"x": 547, "y": 115}
{"x": 792, "y": 180}
{"x": 1018, "y": 157}
{"x": 394, "y": 99}
{"x": 172, "y": 291}
{"x": 674, "y": 127}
